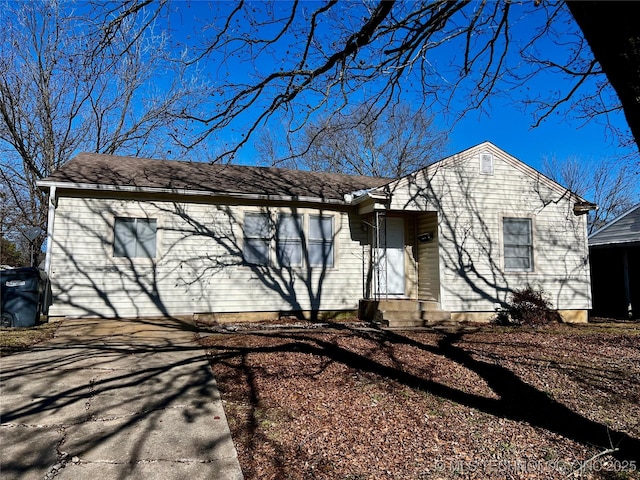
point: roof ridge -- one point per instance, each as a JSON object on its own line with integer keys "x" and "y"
{"x": 98, "y": 171}
{"x": 233, "y": 165}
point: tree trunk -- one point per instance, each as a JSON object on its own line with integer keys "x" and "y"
{"x": 612, "y": 29}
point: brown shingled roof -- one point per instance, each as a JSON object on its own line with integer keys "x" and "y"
{"x": 91, "y": 169}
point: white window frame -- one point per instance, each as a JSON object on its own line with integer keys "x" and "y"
{"x": 139, "y": 251}
{"x": 285, "y": 240}
{"x": 250, "y": 257}
{"x": 313, "y": 241}
{"x": 529, "y": 245}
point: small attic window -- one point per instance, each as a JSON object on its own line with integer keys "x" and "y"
{"x": 486, "y": 164}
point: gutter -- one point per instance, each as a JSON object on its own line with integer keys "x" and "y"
{"x": 187, "y": 192}
{"x": 582, "y": 208}
{"x": 356, "y": 198}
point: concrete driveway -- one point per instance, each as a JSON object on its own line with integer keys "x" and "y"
{"x": 114, "y": 399}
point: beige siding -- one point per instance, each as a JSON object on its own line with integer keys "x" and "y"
{"x": 428, "y": 259}
{"x": 470, "y": 209}
{"x": 198, "y": 266}
{"x": 411, "y": 257}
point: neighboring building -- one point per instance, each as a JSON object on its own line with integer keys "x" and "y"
{"x": 615, "y": 267}
{"x": 131, "y": 237}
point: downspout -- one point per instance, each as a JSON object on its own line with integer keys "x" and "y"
{"x": 51, "y": 215}
{"x": 364, "y": 275}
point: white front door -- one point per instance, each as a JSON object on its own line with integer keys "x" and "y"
{"x": 391, "y": 257}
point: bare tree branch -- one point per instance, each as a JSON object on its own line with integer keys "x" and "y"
{"x": 365, "y": 141}
{"x": 58, "y": 97}
{"x": 611, "y": 184}
{"x": 289, "y": 62}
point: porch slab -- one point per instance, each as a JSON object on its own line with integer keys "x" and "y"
{"x": 403, "y": 313}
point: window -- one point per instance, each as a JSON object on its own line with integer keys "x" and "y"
{"x": 518, "y": 244}
{"x": 289, "y": 240}
{"x": 486, "y": 164}
{"x": 256, "y": 238}
{"x": 134, "y": 237}
{"x": 320, "y": 241}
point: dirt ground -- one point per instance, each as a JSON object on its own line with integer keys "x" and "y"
{"x": 355, "y": 403}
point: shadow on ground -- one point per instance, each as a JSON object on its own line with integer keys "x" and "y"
{"x": 512, "y": 398}
{"x": 114, "y": 399}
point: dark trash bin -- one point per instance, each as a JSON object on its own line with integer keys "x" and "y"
{"x": 23, "y": 296}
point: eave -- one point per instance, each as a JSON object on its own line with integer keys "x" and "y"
{"x": 43, "y": 184}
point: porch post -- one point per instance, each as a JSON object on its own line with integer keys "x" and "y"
{"x": 627, "y": 288}
{"x": 376, "y": 259}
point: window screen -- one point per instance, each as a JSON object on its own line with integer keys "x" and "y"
{"x": 256, "y": 238}
{"x": 518, "y": 244}
{"x": 321, "y": 241}
{"x": 289, "y": 240}
{"x": 135, "y": 237}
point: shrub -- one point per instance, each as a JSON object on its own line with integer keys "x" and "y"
{"x": 528, "y": 306}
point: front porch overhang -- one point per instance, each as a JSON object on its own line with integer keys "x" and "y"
{"x": 371, "y": 201}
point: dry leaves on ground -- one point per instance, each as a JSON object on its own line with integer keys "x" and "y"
{"x": 356, "y": 403}
{"x": 17, "y": 339}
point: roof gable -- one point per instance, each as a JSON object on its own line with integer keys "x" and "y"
{"x": 622, "y": 229}
{"x": 94, "y": 171}
{"x": 465, "y": 155}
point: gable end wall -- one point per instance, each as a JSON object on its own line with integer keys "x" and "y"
{"x": 470, "y": 208}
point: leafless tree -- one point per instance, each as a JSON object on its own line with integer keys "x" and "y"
{"x": 283, "y": 63}
{"x": 287, "y": 61}
{"x": 78, "y": 78}
{"x": 366, "y": 140}
{"x": 9, "y": 254}
{"x": 94, "y": 76}
{"x": 612, "y": 185}
{"x": 14, "y": 249}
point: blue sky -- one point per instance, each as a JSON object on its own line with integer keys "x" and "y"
{"x": 502, "y": 121}
{"x": 563, "y": 133}
{"x": 510, "y": 129}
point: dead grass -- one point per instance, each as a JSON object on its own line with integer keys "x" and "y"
{"x": 17, "y": 339}
{"x": 351, "y": 403}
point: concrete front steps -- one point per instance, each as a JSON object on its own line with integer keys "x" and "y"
{"x": 406, "y": 313}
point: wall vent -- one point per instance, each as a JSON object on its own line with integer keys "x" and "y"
{"x": 486, "y": 164}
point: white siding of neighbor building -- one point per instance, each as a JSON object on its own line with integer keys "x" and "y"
{"x": 624, "y": 229}
{"x": 198, "y": 266}
{"x": 470, "y": 207}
